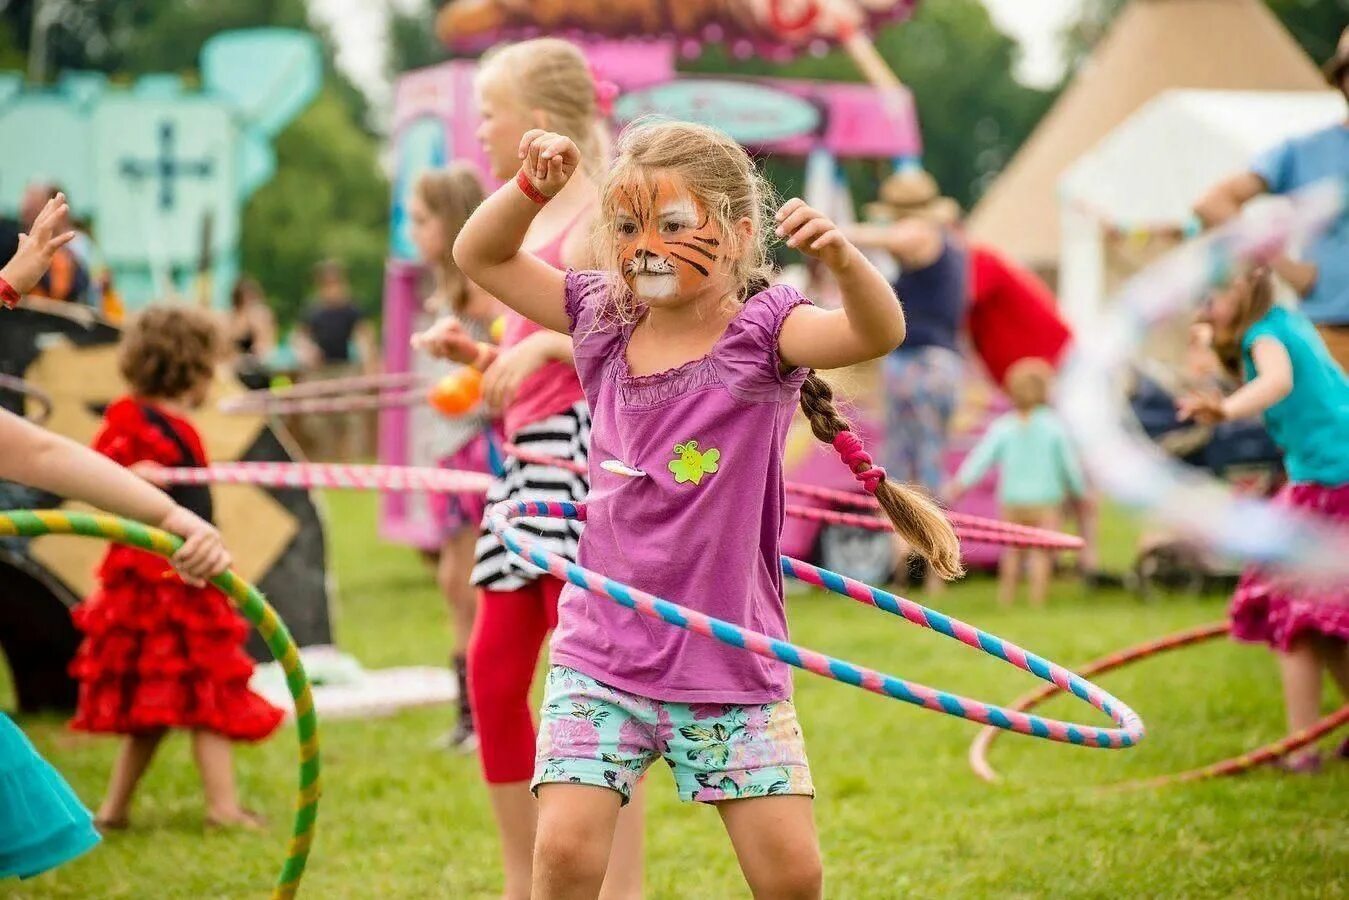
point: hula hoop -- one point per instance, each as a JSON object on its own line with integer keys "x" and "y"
{"x": 33, "y": 523}
{"x": 328, "y": 387}
{"x": 332, "y": 476}
{"x": 1135, "y": 470}
{"x": 978, "y": 753}
{"x": 21, "y": 387}
{"x": 976, "y": 529}
{"x": 317, "y": 405}
{"x": 1130, "y": 728}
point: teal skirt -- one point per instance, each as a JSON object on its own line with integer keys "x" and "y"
{"x": 42, "y": 822}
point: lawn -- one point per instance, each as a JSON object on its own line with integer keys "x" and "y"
{"x": 899, "y": 812}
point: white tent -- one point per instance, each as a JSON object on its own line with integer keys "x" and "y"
{"x": 1152, "y": 168}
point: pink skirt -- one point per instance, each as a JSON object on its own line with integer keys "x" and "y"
{"x": 455, "y": 512}
{"x": 1274, "y": 610}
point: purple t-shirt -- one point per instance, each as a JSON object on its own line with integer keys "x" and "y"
{"x": 702, "y": 527}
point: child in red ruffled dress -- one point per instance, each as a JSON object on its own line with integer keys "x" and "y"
{"x": 158, "y": 653}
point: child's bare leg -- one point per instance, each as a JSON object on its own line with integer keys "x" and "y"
{"x": 1300, "y": 670}
{"x": 1334, "y": 653}
{"x": 516, "y": 813}
{"x": 137, "y": 752}
{"x": 215, "y": 762}
{"x": 1041, "y": 562}
{"x": 574, "y": 840}
{"x": 774, "y": 840}
{"x": 623, "y": 880}
{"x": 1009, "y": 573}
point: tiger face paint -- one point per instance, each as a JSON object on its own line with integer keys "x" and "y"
{"x": 668, "y": 246}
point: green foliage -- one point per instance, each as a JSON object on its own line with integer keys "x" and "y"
{"x": 327, "y": 199}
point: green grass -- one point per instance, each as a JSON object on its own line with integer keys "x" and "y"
{"x": 899, "y": 812}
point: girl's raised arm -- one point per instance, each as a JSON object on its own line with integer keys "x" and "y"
{"x": 488, "y": 249}
{"x": 871, "y": 322}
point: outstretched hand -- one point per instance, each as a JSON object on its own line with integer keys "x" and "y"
{"x": 1206, "y": 409}
{"x": 37, "y": 248}
{"x": 447, "y": 339}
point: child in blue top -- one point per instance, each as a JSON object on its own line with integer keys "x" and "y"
{"x": 1303, "y": 395}
{"x": 1037, "y": 471}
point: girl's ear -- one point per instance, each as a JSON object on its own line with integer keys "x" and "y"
{"x": 745, "y": 230}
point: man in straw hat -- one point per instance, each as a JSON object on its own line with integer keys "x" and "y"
{"x": 914, "y": 223}
{"x": 1321, "y": 277}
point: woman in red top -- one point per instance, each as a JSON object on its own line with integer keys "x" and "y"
{"x": 157, "y": 652}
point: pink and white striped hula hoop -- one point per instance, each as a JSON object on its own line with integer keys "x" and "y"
{"x": 331, "y": 476}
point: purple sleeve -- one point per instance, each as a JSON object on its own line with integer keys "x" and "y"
{"x": 748, "y": 356}
{"x": 594, "y": 335}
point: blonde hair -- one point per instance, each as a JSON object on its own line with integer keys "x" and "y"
{"x": 1255, "y": 297}
{"x": 1028, "y": 382}
{"x": 551, "y": 75}
{"x": 721, "y": 177}
{"x": 450, "y": 195}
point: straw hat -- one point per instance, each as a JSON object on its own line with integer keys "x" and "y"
{"x": 911, "y": 193}
{"x": 1336, "y": 65}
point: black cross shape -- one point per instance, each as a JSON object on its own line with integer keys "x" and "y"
{"x": 165, "y": 166}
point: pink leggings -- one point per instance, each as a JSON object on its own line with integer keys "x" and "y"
{"x": 503, "y": 655}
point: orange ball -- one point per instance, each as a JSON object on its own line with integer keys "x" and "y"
{"x": 457, "y": 392}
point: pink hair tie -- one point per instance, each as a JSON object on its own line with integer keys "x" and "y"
{"x": 606, "y": 92}
{"x": 849, "y": 446}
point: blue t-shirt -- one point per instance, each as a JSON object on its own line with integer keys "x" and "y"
{"x": 1037, "y": 462}
{"x": 1311, "y": 424}
{"x": 1296, "y": 164}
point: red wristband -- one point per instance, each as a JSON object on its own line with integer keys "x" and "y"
{"x": 8, "y": 296}
{"x": 527, "y": 188}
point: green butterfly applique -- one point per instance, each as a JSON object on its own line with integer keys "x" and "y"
{"x": 690, "y": 464}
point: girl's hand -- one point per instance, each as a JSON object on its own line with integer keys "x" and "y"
{"x": 447, "y": 339}
{"x": 1206, "y": 409}
{"x": 814, "y": 234}
{"x": 37, "y": 248}
{"x": 203, "y": 555}
{"x": 503, "y": 377}
{"x": 548, "y": 160}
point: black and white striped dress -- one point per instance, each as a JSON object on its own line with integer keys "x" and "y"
{"x": 566, "y": 436}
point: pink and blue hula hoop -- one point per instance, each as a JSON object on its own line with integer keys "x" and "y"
{"x": 1130, "y": 726}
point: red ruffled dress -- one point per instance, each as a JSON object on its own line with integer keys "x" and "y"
{"x": 158, "y": 653}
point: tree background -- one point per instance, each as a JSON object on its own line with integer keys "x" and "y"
{"x": 330, "y": 198}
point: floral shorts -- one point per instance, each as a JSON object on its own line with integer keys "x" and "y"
{"x": 594, "y": 734}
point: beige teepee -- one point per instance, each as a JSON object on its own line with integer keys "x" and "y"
{"x": 1154, "y": 45}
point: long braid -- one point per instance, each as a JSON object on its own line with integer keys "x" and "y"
{"x": 916, "y": 518}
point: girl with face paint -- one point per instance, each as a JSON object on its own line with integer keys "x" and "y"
{"x": 693, "y": 368}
